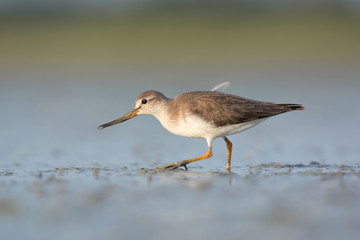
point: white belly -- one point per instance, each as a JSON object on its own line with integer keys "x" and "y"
{"x": 195, "y": 127}
{"x": 232, "y": 129}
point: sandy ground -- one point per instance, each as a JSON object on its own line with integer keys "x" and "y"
{"x": 266, "y": 200}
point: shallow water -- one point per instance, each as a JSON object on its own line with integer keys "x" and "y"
{"x": 272, "y": 200}
{"x": 294, "y": 176}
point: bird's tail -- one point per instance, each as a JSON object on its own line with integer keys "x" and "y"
{"x": 293, "y": 107}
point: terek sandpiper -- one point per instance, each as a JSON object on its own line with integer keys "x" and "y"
{"x": 204, "y": 114}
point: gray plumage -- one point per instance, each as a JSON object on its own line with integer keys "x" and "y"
{"x": 221, "y": 109}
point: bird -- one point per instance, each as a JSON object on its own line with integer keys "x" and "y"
{"x": 204, "y": 114}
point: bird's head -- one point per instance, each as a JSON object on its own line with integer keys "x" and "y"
{"x": 149, "y": 102}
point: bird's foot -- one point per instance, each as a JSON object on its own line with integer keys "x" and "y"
{"x": 183, "y": 163}
{"x": 173, "y": 166}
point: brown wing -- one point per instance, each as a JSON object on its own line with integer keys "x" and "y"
{"x": 225, "y": 109}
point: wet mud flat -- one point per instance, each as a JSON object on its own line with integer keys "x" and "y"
{"x": 298, "y": 201}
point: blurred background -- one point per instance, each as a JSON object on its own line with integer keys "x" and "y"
{"x": 68, "y": 66}
{"x": 178, "y": 32}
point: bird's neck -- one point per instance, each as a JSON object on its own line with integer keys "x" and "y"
{"x": 166, "y": 113}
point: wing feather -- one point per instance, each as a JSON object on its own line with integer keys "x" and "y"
{"x": 224, "y": 109}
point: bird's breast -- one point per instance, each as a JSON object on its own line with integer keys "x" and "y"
{"x": 187, "y": 125}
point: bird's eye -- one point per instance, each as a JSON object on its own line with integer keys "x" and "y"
{"x": 144, "y": 101}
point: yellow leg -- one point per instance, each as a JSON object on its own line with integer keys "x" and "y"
{"x": 229, "y": 147}
{"x": 183, "y": 163}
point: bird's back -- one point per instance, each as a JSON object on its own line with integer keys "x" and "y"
{"x": 225, "y": 109}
